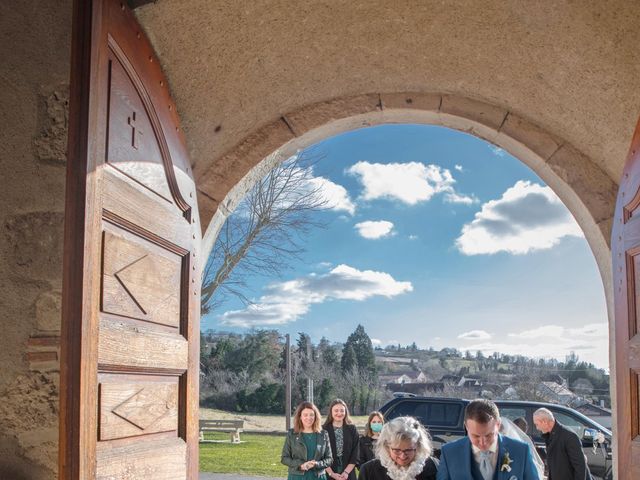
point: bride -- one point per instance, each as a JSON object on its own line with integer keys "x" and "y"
{"x": 511, "y": 430}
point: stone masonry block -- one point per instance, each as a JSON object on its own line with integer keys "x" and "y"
{"x": 532, "y": 136}
{"x": 319, "y": 114}
{"x": 605, "y": 227}
{"x": 414, "y": 100}
{"x": 51, "y": 143}
{"x": 480, "y": 112}
{"x": 36, "y": 243}
{"x": 594, "y": 187}
{"x": 207, "y": 208}
{"x": 228, "y": 170}
{"x": 48, "y": 311}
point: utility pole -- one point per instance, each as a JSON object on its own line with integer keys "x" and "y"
{"x": 309, "y": 379}
{"x": 287, "y": 388}
{"x": 309, "y": 389}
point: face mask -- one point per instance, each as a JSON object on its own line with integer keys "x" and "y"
{"x": 376, "y": 427}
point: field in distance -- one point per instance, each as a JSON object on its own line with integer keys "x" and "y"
{"x": 258, "y": 422}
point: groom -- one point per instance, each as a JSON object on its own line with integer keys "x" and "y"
{"x": 484, "y": 454}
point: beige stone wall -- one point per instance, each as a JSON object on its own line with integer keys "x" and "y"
{"x": 35, "y": 50}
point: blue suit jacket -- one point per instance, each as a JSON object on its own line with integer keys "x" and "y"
{"x": 456, "y": 458}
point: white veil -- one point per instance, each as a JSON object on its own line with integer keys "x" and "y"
{"x": 511, "y": 430}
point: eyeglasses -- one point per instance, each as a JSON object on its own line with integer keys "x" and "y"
{"x": 407, "y": 452}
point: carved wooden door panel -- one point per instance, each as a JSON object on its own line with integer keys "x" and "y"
{"x": 626, "y": 263}
{"x": 129, "y": 368}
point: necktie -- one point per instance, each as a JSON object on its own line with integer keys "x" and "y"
{"x": 486, "y": 468}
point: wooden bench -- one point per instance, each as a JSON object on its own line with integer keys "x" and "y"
{"x": 234, "y": 427}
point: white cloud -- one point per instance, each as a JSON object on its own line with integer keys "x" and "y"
{"x": 590, "y": 343}
{"x": 324, "y": 265}
{"x": 335, "y": 196}
{"x": 475, "y": 335}
{"x": 413, "y": 237}
{"x": 374, "y": 229}
{"x": 410, "y": 182}
{"x": 497, "y": 150}
{"x": 286, "y": 301}
{"x": 453, "y": 197}
{"x": 376, "y": 341}
{"x": 458, "y": 168}
{"x": 526, "y": 218}
{"x": 540, "y": 332}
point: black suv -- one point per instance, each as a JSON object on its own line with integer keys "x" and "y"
{"x": 444, "y": 419}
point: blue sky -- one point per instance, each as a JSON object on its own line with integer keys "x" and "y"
{"x": 437, "y": 237}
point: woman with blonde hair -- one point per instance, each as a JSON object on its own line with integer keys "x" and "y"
{"x": 371, "y": 433}
{"x": 306, "y": 450}
{"x": 344, "y": 441}
{"x": 403, "y": 452}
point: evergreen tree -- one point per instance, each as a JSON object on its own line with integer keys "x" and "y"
{"x": 305, "y": 350}
{"x": 362, "y": 347}
{"x": 348, "y": 360}
{"x": 256, "y": 354}
{"x": 328, "y": 354}
{"x": 325, "y": 393}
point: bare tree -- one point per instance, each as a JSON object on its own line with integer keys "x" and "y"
{"x": 265, "y": 232}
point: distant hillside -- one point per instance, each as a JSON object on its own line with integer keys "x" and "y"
{"x": 453, "y": 373}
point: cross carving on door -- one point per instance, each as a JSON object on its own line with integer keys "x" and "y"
{"x": 134, "y": 131}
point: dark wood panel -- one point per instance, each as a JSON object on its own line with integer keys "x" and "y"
{"x": 131, "y": 409}
{"x": 126, "y": 344}
{"x": 140, "y": 283}
{"x": 163, "y": 459}
{"x": 132, "y": 146}
{"x": 166, "y": 143}
{"x": 123, "y": 199}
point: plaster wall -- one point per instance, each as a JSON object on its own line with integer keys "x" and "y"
{"x": 35, "y": 39}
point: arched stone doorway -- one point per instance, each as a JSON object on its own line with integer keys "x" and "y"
{"x": 584, "y": 188}
{"x": 235, "y": 70}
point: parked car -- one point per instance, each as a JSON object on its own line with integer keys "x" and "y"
{"x": 444, "y": 417}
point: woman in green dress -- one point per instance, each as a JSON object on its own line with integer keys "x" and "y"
{"x": 306, "y": 449}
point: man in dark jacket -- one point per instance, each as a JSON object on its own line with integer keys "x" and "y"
{"x": 565, "y": 458}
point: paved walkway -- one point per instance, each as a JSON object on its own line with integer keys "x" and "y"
{"x": 233, "y": 476}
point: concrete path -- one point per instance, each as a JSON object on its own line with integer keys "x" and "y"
{"x": 233, "y": 476}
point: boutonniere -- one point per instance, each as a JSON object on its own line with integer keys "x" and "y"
{"x": 506, "y": 463}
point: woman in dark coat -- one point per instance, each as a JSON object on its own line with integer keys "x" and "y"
{"x": 371, "y": 433}
{"x": 344, "y": 441}
{"x": 403, "y": 452}
{"x": 306, "y": 449}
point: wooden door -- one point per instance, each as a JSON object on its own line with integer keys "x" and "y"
{"x": 129, "y": 372}
{"x": 626, "y": 276}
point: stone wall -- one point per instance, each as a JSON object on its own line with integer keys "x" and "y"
{"x": 35, "y": 50}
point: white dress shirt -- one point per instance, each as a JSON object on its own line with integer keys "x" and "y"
{"x": 494, "y": 454}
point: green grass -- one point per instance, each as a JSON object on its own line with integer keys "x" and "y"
{"x": 257, "y": 455}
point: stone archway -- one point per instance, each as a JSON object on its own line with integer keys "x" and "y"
{"x": 583, "y": 187}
